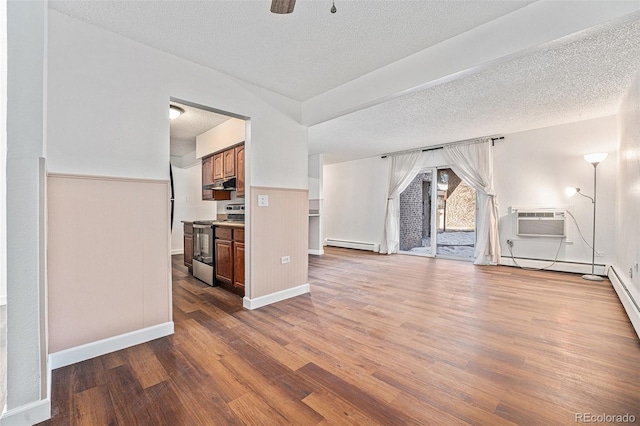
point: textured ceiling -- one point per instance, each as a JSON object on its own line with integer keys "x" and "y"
{"x": 193, "y": 122}
{"x": 311, "y": 51}
{"x": 299, "y": 55}
{"x": 575, "y": 78}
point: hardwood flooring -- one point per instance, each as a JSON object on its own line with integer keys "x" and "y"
{"x": 381, "y": 340}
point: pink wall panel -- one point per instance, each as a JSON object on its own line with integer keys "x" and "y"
{"x": 281, "y": 229}
{"x": 108, "y": 258}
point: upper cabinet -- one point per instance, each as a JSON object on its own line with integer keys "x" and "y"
{"x": 223, "y": 165}
{"x": 207, "y": 177}
{"x": 218, "y": 166}
{"x": 239, "y": 154}
{"x": 229, "y": 163}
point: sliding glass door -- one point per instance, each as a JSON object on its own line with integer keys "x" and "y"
{"x": 438, "y": 216}
{"x": 454, "y": 223}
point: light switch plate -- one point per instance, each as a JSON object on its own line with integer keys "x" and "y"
{"x": 263, "y": 200}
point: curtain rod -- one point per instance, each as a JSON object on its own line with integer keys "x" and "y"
{"x": 433, "y": 148}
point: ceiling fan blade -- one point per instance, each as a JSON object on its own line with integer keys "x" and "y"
{"x": 282, "y": 6}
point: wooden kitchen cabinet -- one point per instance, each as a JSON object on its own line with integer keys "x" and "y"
{"x": 218, "y": 166}
{"x": 240, "y": 171}
{"x": 229, "y": 258}
{"x": 188, "y": 245}
{"x": 208, "y": 167}
{"x": 207, "y": 177}
{"x": 229, "y": 163}
{"x": 238, "y": 258}
{"x": 238, "y": 265}
{"x": 224, "y": 260}
{"x": 223, "y": 165}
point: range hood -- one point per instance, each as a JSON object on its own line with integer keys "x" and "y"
{"x": 222, "y": 185}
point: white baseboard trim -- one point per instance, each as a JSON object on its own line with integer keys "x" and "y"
{"x": 316, "y": 252}
{"x": 279, "y": 296}
{"x": 111, "y": 344}
{"x": 177, "y": 251}
{"x": 631, "y": 307}
{"x": 374, "y": 247}
{"x": 28, "y": 414}
{"x": 560, "y": 266}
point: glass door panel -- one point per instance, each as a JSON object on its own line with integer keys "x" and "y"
{"x": 454, "y": 216}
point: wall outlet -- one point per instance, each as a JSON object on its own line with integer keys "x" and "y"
{"x": 285, "y": 259}
{"x": 263, "y": 200}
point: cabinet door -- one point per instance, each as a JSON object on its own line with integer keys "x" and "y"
{"x": 221, "y": 195}
{"x": 207, "y": 177}
{"x": 188, "y": 250}
{"x": 224, "y": 260}
{"x": 229, "y": 163}
{"x": 240, "y": 171}
{"x": 238, "y": 264}
{"x": 218, "y": 166}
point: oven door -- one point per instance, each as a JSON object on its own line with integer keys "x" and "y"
{"x": 203, "y": 253}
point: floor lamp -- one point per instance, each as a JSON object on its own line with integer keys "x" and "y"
{"x": 594, "y": 159}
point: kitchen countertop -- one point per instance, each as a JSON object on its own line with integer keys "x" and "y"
{"x": 229, "y": 224}
{"x": 219, "y": 223}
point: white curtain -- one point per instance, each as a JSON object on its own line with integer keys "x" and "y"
{"x": 401, "y": 173}
{"x": 473, "y": 163}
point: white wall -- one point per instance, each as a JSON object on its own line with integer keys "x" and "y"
{"x": 26, "y": 87}
{"x": 628, "y": 193}
{"x": 108, "y": 98}
{"x": 218, "y": 138}
{"x": 355, "y": 194}
{"x": 188, "y": 204}
{"x": 106, "y": 102}
{"x": 531, "y": 169}
{"x": 3, "y": 153}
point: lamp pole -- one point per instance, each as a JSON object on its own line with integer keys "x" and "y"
{"x": 593, "y": 159}
{"x": 593, "y": 276}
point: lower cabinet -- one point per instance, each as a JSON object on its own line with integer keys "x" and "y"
{"x": 224, "y": 260}
{"x": 188, "y": 245}
{"x": 229, "y": 262}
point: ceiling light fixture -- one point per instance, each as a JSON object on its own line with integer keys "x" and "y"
{"x": 333, "y": 8}
{"x": 175, "y": 112}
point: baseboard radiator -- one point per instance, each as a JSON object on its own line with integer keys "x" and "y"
{"x": 629, "y": 303}
{"x": 375, "y": 247}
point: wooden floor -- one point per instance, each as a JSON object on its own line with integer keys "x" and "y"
{"x": 388, "y": 340}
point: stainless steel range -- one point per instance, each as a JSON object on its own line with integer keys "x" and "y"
{"x": 235, "y": 212}
{"x": 203, "y": 250}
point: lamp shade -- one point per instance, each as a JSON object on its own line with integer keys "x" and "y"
{"x": 570, "y": 191}
{"x": 595, "y": 158}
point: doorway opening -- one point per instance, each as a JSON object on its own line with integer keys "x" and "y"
{"x": 415, "y": 215}
{"x": 208, "y": 175}
{"x": 438, "y": 216}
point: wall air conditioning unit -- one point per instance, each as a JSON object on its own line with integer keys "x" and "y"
{"x": 541, "y": 223}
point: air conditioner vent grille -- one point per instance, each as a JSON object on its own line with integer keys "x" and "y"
{"x": 536, "y": 214}
{"x": 541, "y": 223}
